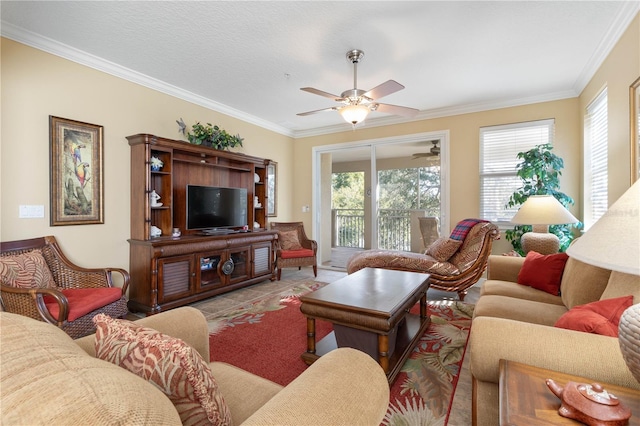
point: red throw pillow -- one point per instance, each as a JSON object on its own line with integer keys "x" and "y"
{"x": 601, "y": 317}
{"x": 543, "y": 272}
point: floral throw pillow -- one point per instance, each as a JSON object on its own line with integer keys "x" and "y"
{"x": 289, "y": 240}
{"x": 443, "y": 248}
{"x": 26, "y": 270}
{"x": 169, "y": 363}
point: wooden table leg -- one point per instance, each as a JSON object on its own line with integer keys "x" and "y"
{"x": 311, "y": 335}
{"x": 423, "y": 306}
{"x": 383, "y": 352}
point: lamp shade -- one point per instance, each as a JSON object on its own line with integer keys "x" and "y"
{"x": 543, "y": 210}
{"x": 354, "y": 114}
{"x": 613, "y": 242}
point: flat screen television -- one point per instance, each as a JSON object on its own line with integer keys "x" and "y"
{"x": 211, "y": 208}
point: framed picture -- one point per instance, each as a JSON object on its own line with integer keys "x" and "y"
{"x": 272, "y": 204}
{"x": 76, "y": 183}
{"x": 634, "y": 128}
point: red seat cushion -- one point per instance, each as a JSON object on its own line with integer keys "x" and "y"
{"x": 294, "y": 254}
{"x": 83, "y": 300}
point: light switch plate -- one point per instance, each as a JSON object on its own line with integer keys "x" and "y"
{"x": 31, "y": 211}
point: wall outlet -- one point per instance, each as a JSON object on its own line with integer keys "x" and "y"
{"x": 31, "y": 211}
{"x": 305, "y": 209}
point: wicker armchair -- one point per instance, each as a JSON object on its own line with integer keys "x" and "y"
{"x": 32, "y": 302}
{"x": 287, "y": 256}
{"x": 457, "y": 273}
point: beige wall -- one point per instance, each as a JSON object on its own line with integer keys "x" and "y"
{"x": 619, "y": 70}
{"x": 35, "y": 85}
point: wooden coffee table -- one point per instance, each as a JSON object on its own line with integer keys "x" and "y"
{"x": 525, "y": 398}
{"x": 369, "y": 310}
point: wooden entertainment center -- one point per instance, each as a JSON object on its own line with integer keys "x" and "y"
{"x": 169, "y": 271}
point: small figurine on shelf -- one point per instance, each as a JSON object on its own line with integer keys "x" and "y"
{"x": 156, "y": 164}
{"x": 154, "y": 197}
{"x": 155, "y": 231}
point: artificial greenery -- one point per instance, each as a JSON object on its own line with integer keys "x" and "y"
{"x": 213, "y": 136}
{"x": 540, "y": 171}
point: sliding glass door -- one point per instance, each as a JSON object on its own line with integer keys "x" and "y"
{"x": 371, "y": 194}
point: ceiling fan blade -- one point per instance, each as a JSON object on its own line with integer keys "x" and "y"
{"x": 397, "y": 110}
{"x": 317, "y": 111}
{"x": 322, "y": 93}
{"x": 422, "y": 155}
{"x": 384, "y": 89}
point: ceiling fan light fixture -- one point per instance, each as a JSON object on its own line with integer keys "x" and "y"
{"x": 354, "y": 114}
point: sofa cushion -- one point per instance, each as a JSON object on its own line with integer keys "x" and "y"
{"x": 512, "y": 289}
{"x": 601, "y": 317}
{"x": 518, "y": 310}
{"x": 83, "y": 300}
{"x": 621, "y": 284}
{"x": 47, "y": 379}
{"x": 26, "y": 270}
{"x": 167, "y": 362}
{"x": 543, "y": 272}
{"x": 582, "y": 283}
{"x": 289, "y": 240}
{"x": 443, "y": 248}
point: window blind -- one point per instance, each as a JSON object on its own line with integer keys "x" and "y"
{"x": 499, "y": 148}
{"x": 596, "y": 197}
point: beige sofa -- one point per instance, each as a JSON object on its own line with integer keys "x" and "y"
{"x": 515, "y": 322}
{"x": 47, "y": 378}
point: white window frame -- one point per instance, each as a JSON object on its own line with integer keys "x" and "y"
{"x": 499, "y": 148}
{"x": 595, "y": 171}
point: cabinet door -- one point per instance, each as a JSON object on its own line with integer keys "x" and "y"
{"x": 262, "y": 259}
{"x": 240, "y": 259}
{"x": 209, "y": 274}
{"x": 174, "y": 278}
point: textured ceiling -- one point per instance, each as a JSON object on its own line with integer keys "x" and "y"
{"x": 249, "y": 59}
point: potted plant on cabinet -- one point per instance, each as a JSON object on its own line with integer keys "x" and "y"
{"x": 212, "y": 136}
{"x": 540, "y": 171}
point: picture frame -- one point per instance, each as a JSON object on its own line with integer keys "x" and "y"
{"x": 634, "y": 128}
{"x": 76, "y": 164}
{"x": 272, "y": 201}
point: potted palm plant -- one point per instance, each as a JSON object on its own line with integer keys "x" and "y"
{"x": 540, "y": 170}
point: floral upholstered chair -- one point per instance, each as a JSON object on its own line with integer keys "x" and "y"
{"x": 455, "y": 262}
{"x": 38, "y": 281}
{"x": 293, "y": 248}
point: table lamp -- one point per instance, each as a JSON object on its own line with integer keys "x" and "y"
{"x": 613, "y": 242}
{"x": 540, "y": 211}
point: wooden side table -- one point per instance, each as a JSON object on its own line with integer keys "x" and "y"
{"x": 525, "y": 398}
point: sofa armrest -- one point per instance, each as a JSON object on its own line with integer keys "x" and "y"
{"x": 582, "y": 354}
{"x": 343, "y": 387}
{"x": 186, "y": 323}
{"x": 504, "y": 268}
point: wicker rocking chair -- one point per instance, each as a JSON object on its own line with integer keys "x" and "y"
{"x": 293, "y": 248}
{"x": 456, "y": 271}
{"x": 38, "y": 281}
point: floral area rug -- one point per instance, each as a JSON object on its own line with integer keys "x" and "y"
{"x": 267, "y": 338}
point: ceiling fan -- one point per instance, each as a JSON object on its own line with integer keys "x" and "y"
{"x": 356, "y": 102}
{"x": 433, "y": 152}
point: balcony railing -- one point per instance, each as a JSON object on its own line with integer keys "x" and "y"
{"x": 394, "y": 228}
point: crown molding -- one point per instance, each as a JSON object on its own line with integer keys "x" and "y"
{"x": 620, "y": 24}
{"x": 83, "y": 58}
